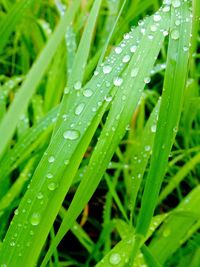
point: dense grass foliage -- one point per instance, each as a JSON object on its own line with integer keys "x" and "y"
{"x": 99, "y": 133}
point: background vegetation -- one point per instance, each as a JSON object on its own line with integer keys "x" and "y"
{"x": 99, "y": 133}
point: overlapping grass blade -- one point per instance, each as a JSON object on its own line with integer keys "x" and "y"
{"x": 119, "y": 116}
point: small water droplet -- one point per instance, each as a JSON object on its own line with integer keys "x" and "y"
{"x": 117, "y": 81}
{"x": 12, "y": 243}
{"x": 126, "y": 59}
{"x": 115, "y": 258}
{"x": 52, "y": 186}
{"x": 40, "y": 195}
{"x": 107, "y": 69}
{"x": 77, "y": 85}
{"x": 133, "y": 48}
{"x": 134, "y": 72}
{"x": 71, "y": 135}
{"x": 51, "y": 159}
{"x": 35, "y": 219}
{"x": 176, "y": 3}
{"x": 118, "y": 50}
{"x": 147, "y": 80}
{"x": 87, "y": 92}
{"x": 156, "y": 17}
{"x": 126, "y": 36}
{"x": 79, "y": 109}
{"x": 147, "y": 148}
{"x": 49, "y": 175}
{"x": 153, "y": 128}
{"x": 175, "y": 34}
{"x": 153, "y": 28}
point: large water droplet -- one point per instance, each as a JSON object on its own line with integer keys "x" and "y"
{"x": 107, "y": 69}
{"x": 115, "y": 258}
{"x": 35, "y": 218}
{"x": 79, "y": 109}
{"x": 117, "y": 81}
{"x": 49, "y": 175}
{"x": 71, "y": 135}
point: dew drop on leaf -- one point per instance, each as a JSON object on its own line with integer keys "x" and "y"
{"x": 52, "y": 186}
{"x": 87, "y": 92}
{"x": 115, "y": 259}
{"x": 175, "y": 34}
{"x": 35, "y": 219}
{"x": 134, "y": 72}
{"x": 51, "y": 159}
{"x": 118, "y": 50}
{"x": 77, "y": 85}
{"x": 153, "y": 128}
{"x": 126, "y": 59}
{"x": 71, "y": 135}
{"x": 176, "y": 3}
{"x": 117, "y": 81}
{"x": 79, "y": 109}
{"x": 107, "y": 69}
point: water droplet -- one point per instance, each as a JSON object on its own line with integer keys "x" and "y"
{"x": 185, "y": 48}
{"x": 133, "y": 48}
{"x": 147, "y": 80}
{"x": 165, "y": 33}
{"x": 52, "y": 186}
{"x": 147, "y": 148}
{"x": 126, "y": 59}
{"x": 175, "y": 34}
{"x": 40, "y": 195}
{"x": 79, "y": 109}
{"x": 77, "y": 85}
{"x": 66, "y": 162}
{"x": 176, "y": 3}
{"x": 35, "y": 219}
{"x": 107, "y": 69}
{"x": 108, "y": 98}
{"x": 118, "y": 50}
{"x": 134, "y": 72}
{"x": 115, "y": 258}
{"x": 153, "y": 128}
{"x": 12, "y": 243}
{"x": 49, "y": 175}
{"x": 71, "y": 135}
{"x": 51, "y": 159}
{"x": 153, "y": 28}
{"x": 166, "y": 8}
{"x": 156, "y": 17}
{"x": 117, "y": 81}
{"x": 126, "y": 36}
{"x": 87, "y": 92}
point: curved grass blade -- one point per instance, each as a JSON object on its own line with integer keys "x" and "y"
{"x": 119, "y": 116}
{"x": 60, "y": 162}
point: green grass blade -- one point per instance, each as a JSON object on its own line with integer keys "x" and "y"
{"x": 127, "y": 99}
{"x": 21, "y": 101}
{"x": 171, "y": 105}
